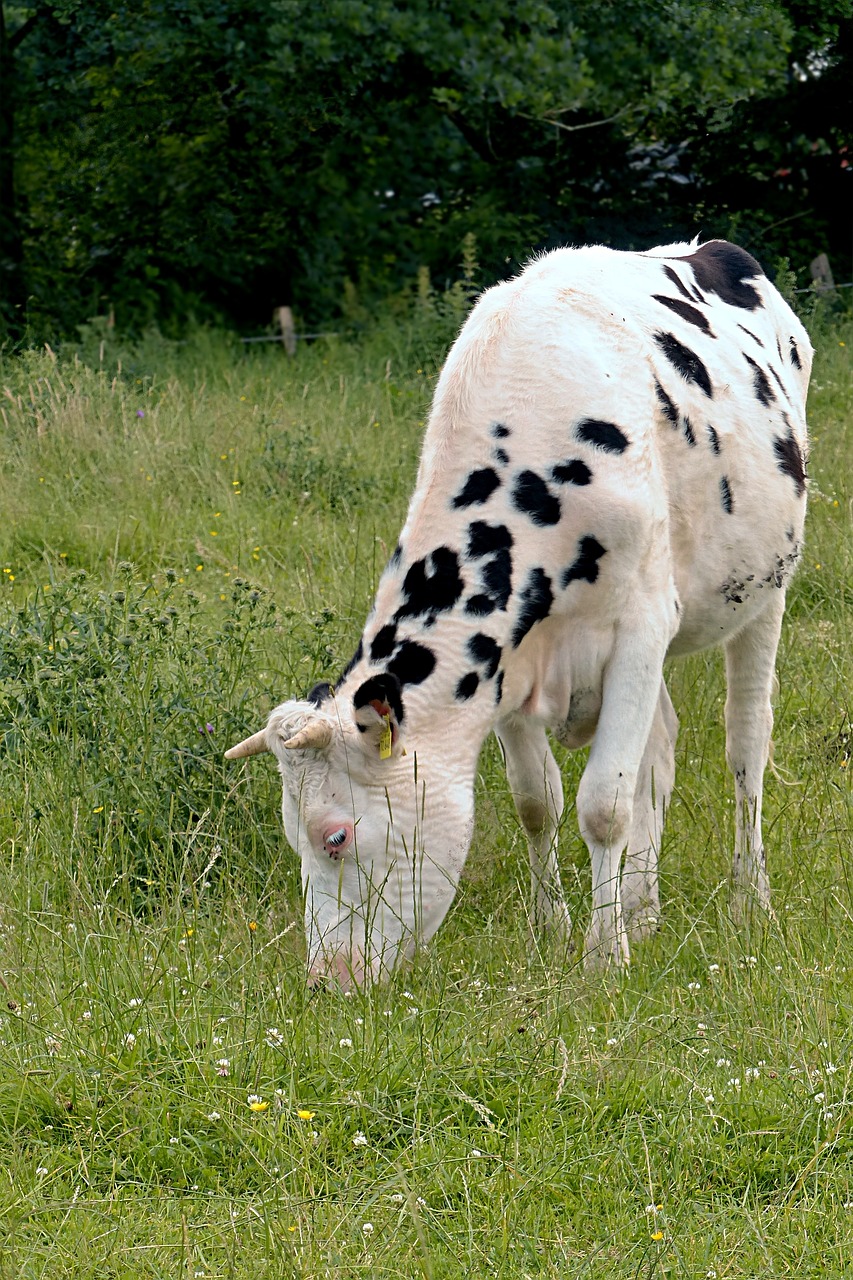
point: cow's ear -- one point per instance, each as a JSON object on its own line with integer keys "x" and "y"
{"x": 378, "y": 707}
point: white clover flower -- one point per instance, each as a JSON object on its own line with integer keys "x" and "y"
{"x": 173, "y": 1142}
{"x": 735, "y": 1082}
{"x": 709, "y": 1098}
{"x": 214, "y": 1115}
{"x": 134, "y": 1003}
{"x": 223, "y": 1067}
{"x": 387, "y": 1013}
{"x": 713, "y": 968}
{"x": 819, "y": 1097}
{"x": 420, "y": 1200}
{"x": 752, "y": 1073}
{"x": 611, "y": 1042}
{"x": 52, "y": 1045}
{"x": 41, "y": 1171}
{"x": 274, "y": 1037}
{"x": 694, "y": 986}
{"x": 830, "y": 1068}
{"x": 397, "y": 1197}
{"x": 359, "y": 1139}
{"x": 723, "y": 1062}
{"x": 86, "y": 1015}
{"x": 367, "y": 1228}
{"x": 475, "y": 1152}
{"x": 129, "y": 1040}
{"x": 345, "y": 1042}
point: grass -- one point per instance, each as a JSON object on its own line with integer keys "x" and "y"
{"x": 192, "y": 533}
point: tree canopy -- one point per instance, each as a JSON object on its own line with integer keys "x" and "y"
{"x": 167, "y": 157}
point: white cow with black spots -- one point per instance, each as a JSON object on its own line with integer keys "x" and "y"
{"x": 613, "y": 473}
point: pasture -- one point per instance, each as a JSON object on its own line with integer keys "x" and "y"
{"x": 190, "y": 534}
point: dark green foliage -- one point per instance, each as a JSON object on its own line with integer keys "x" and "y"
{"x": 206, "y": 158}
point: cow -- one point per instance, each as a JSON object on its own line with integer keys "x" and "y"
{"x": 613, "y": 474}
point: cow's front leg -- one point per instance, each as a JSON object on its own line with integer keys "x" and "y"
{"x": 606, "y": 794}
{"x": 537, "y": 790}
{"x": 640, "y": 894}
{"x": 750, "y": 676}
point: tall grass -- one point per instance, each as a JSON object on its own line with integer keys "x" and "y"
{"x": 193, "y": 532}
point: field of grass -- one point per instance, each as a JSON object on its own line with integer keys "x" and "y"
{"x": 190, "y": 534}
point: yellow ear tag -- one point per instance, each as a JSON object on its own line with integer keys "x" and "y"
{"x": 385, "y": 739}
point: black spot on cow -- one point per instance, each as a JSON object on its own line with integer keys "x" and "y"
{"x": 499, "y": 687}
{"x": 500, "y": 456}
{"x": 431, "y": 585}
{"x": 484, "y": 538}
{"x": 750, "y": 334}
{"x": 604, "y": 435}
{"x": 726, "y": 495}
{"x": 789, "y": 459}
{"x": 384, "y": 642}
{"x": 531, "y": 495}
{"x": 499, "y": 431}
{"x": 354, "y": 660}
{"x": 318, "y": 695}
{"x": 669, "y": 410}
{"x": 395, "y": 557}
{"x": 686, "y": 311}
{"x": 779, "y": 383}
{"x": 485, "y": 651}
{"x": 467, "y": 686}
{"x": 478, "y": 488}
{"x": 585, "y": 567}
{"x": 383, "y": 688}
{"x": 678, "y": 282}
{"x": 685, "y": 361}
{"x": 714, "y": 438}
{"x": 480, "y": 606}
{"x": 760, "y": 382}
{"x": 573, "y": 472}
{"x": 723, "y": 269}
{"x": 412, "y": 663}
{"x": 688, "y": 431}
{"x": 790, "y": 535}
{"x": 535, "y": 600}
{"x": 795, "y": 355}
{"x": 496, "y": 576}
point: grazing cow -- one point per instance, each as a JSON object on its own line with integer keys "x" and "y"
{"x": 613, "y": 473}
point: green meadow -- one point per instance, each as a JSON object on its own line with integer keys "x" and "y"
{"x": 193, "y": 532}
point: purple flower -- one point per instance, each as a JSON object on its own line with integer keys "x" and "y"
{"x": 140, "y": 413}
{"x": 208, "y": 728}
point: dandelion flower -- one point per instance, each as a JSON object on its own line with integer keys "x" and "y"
{"x": 657, "y": 1235}
{"x": 255, "y": 1103}
{"x": 305, "y": 1115}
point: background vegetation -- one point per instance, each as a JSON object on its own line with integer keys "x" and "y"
{"x": 212, "y": 158}
{"x": 195, "y": 530}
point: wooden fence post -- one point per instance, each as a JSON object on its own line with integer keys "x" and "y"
{"x": 821, "y": 274}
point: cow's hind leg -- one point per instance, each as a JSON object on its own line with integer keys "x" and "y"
{"x": 537, "y": 790}
{"x": 750, "y": 676}
{"x": 640, "y": 895}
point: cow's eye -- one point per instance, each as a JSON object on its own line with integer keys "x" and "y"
{"x": 337, "y": 838}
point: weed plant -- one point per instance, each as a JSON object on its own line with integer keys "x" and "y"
{"x": 193, "y": 532}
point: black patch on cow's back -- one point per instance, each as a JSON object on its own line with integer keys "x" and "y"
{"x": 431, "y": 585}
{"x": 499, "y": 687}
{"x": 714, "y": 438}
{"x": 467, "y": 686}
{"x": 604, "y": 435}
{"x": 384, "y": 687}
{"x": 760, "y": 382}
{"x": 484, "y": 538}
{"x": 384, "y": 642}
{"x": 499, "y": 431}
{"x": 572, "y": 472}
{"x": 485, "y": 651}
{"x": 779, "y": 383}
{"x": 688, "y": 431}
{"x": 531, "y": 496}
{"x": 478, "y": 488}
{"x": 535, "y": 600}
{"x": 395, "y": 557}
{"x": 726, "y": 495}
{"x": 480, "y": 606}
{"x": 669, "y": 410}
{"x": 686, "y": 311}
{"x": 723, "y": 269}
{"x": 496, "y": 576}
{"x": 318, "y": 695}
{"x": 789, "y": 459}
{"x": 585, "y": 566}
{"x": 685, "y": 361}
{"x": 412, "y": 663}
{"x": 795, "y": 355}
{"x": 500, "y": 456}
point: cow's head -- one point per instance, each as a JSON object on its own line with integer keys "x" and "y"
{"x": 382, "y": 830}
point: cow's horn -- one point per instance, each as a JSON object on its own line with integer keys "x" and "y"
{"x": 317, "y": 733}
{"x": 249, "y": 746}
